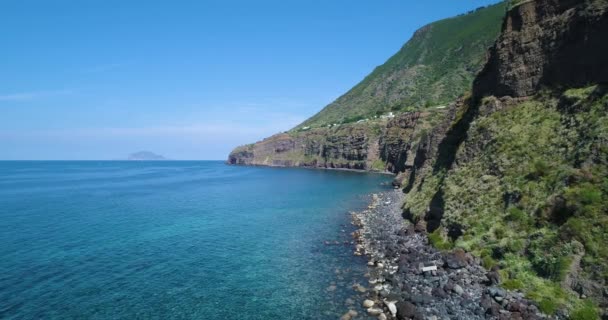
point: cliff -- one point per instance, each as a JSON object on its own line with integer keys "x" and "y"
{"x": 375, "y": 145}
{"x": 547, "y": 44}
{"x": 519, "y": 174}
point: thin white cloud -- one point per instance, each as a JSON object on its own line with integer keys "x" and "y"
{"x": 202, "y": 131}
{"x": 102, "y": 67}
{"x": 33, "y": 95}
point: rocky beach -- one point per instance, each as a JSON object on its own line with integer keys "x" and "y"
{"x": 409, "y": 279}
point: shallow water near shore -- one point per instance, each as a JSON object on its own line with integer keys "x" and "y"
{"x": 177, "y": 240}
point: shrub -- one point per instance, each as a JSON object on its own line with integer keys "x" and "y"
{"x": 539, "y": 169}
{"x": 516, "y": 245}
{"x": 586, "y": 312}
{"x": 590, "y": 195}
{"x": 515, "y": 214}
{"x": 499, "y": 232}
{"x": 439, "y": 242}
{"x": 513, "y": 284}
{"x": 584, "y": 194}
{"x": 547, "y": 306}
{"x": 553, "y": 267}
{"x": 488, "y": 262}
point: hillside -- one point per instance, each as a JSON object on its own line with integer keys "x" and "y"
{"x": 433, "y": 68}
{"x": 518, "y": 177}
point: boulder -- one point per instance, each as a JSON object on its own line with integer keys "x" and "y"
{"x": 374, "y": 311}
{"x": 458, "y": 289}
{"x": 439, "y": 293}
{"x": 493, "y": 277}
{"x": 391, "y": 307}
{"x": 405, "y": 310}
{"x": 496, "y": 292}
{"x": 457, "y": 259}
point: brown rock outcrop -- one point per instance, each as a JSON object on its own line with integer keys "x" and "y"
{"x": 381, "y": 145}
{"x": 547, "y": 43}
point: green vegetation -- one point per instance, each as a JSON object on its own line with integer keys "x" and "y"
{"x": 587, "y": 311}
{"x": 378, "y": 165}
{"x": 513, "y": 284}
{"x": 437, "y": 240}
{"x": 548, "y": 306}
{"x": 531, "y": 194}
{"x": 433, "y": 68}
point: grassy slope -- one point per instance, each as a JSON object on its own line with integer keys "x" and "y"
{"x": 550, "y": 154}
{"x": 434, "y": 67}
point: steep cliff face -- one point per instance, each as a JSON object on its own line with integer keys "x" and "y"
{"x": 519, "y": 174}
{"x": 557, "y": 43}
{"x": 346, "y": 147}
{"x": 376, "y": 145}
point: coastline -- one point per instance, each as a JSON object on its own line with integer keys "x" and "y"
{"x": 410, "y": 279}
{"x": 388, "y": 173}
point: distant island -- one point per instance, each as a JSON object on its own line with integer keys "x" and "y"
{"x": 145, "y": 155}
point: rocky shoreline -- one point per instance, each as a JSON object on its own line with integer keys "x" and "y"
{"x": 409, "y": 279}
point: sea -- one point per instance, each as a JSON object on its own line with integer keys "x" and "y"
{"x": 178, "y": 240}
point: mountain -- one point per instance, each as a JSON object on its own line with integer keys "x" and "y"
{"x": 146, "y": 156}
{"x": 433, "y": 68}
{"x": 365, "y": 128}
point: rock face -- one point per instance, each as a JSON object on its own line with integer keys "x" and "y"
{"x": 483, "y": 163}
{"x": 547, "y": 43}
{"x": 380, "y": 145}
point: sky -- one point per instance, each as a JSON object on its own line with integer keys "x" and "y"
{"x": 85, "y": 80}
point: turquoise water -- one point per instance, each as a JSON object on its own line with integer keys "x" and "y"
{"x": 176, "y": 240}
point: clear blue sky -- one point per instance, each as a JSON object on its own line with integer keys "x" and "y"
{"x": 187, "y": 79}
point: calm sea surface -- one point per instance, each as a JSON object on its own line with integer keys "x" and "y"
{"x": 176, "y": 240}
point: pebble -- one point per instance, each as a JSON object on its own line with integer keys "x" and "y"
{"x": 406, "y": 290}
{"x": 458, "y": 289}
{"x": 359, "y": 288}
{"x": 374, "y": 311}
{"x": 349, "y": 315}
{"x": 392, "y": 308}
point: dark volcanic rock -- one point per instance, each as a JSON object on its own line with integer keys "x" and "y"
{"x": 456, "y": 259}
{"x": 458, "y": 289}
{"x": 358, "y": 146}
{"x": 541, "y": 45}
{"x": 493, "y": 277}
{"x": 405, "y": 310}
